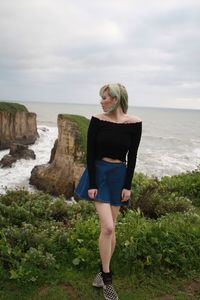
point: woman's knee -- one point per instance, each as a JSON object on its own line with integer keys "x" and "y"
{"x": 108, "y": 229}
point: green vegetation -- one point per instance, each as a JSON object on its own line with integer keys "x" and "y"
{"x": 185, "y": 184}
{"x": 179, "y": 193}
{"x": 12, "y": 107}
{"x": 51, "y": 247}
{"x": 82, "y": 124}
{"x": 72, "y": 285}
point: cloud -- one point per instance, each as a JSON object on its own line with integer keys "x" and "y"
{"x": 66, "y": 50}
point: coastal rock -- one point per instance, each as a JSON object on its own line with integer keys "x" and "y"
{"x": 17, "y": 151}
{"x": 19, "y": 127}
{"x": 60, "y": 175}
{"x": 53, "y": 151}
{"x": 7, "y": 161}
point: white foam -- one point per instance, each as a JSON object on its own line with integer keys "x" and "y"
{"x": 155, "y": 157}
{"x": 18, "y": 176}
{"x": 167, "y": 161}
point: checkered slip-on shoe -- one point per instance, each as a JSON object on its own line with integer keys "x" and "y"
{"x": 109, "y": 292}
{"x": 98, "y": 281}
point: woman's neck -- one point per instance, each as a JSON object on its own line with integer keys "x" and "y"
{"x": 116, "y": 115}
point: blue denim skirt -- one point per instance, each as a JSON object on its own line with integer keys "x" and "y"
{"x": 110, "y": 179}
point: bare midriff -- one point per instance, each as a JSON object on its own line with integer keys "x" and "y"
{"x": 108, "y": 159}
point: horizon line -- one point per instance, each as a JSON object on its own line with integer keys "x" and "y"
{"x": 78, "y": 103}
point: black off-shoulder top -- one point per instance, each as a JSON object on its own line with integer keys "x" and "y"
{"x": 113, "y": 140}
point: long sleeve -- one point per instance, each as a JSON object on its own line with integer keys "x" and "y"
{"x": 91, "y": 151}
{"x": 132, "y": 155}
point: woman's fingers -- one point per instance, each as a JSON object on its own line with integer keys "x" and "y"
{"x": 125, "y": 195}
{"x": 92, "y": 193}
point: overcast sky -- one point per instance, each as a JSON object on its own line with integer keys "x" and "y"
{"x": 65, "y": 50}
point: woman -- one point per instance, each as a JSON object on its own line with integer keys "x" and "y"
{"x": 112, "y": 144}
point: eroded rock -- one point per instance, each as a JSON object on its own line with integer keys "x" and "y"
{"x": 19, "y": 127}
{"x": 17, "y": 151}
{"x": 7, "y": 161}
{"x": 66, "y": 163}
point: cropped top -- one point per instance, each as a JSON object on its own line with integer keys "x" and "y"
{"x": 113, "y": 140}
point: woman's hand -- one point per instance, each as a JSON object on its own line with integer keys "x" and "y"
{"x": 126, "y": 194}
{"x": 92, "y": 193}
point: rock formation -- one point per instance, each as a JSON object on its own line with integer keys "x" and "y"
{"x": 66, "y": 164}
{"x": 7, "y": 161}
{"x": 17, "y": 151}
{"x": 18, "y": 127}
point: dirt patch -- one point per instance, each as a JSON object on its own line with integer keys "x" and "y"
{"x": 43, "y": 290}
{"x": 167, "y": 297}
{"x": 191, "y": 289}
{"x": 194, "y": 287}
{"x": 69, "y": 290}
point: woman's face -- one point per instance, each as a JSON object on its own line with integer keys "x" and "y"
{"x": 107, "y": 101}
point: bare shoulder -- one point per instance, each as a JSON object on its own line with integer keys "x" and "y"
{"x": 133, "y": 119}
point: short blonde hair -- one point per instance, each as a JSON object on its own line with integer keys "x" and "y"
{"x": 119, "y": 91}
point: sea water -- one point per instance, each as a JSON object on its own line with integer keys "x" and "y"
{"x": 170, "y": 141}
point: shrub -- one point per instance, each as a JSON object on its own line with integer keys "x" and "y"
{"x": 154, "y": 199}
{"x": 140, "y": 183}
{"x": 59, "y": 211}
{"x": 34, "y": 232}
{"x": 170, "y": 244}
{"x": 40, "y": 234}
{"x": 185, "y": 184}
{"x": 83, "y": 244}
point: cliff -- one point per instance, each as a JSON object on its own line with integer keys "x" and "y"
{"x": 17, "y": 125}
{"x": 67, "y": 160}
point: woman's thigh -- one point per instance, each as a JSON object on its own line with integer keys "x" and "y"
{"x": 107, "y": 213}
{"x": 104, "y": 212}
{"x": 115, "y": 212}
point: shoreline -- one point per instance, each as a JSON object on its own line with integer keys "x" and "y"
{"x": 170, "y": 143}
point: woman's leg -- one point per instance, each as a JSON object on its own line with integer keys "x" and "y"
{"x": 115, "y": 212}
{"x": 106, "y": 236}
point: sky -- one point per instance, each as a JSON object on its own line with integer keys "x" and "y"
{"x": 65, "y": 50}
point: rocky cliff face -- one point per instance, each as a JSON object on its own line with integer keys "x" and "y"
{"x": 66, "y": 164}
{"x": 19, "y": 127}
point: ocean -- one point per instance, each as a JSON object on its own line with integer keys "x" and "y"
{"x": 170, "y": 141}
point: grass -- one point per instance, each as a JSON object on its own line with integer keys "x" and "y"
{"x": 72, "y": 285}
{"x": 12, "y": 107}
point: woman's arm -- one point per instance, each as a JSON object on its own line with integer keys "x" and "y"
{"x": 91, "y": 151}
{"x": 132, "y": 154}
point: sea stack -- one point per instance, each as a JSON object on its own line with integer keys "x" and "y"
{"x": 17, "y": 125}
{"x": 60, "y": 175}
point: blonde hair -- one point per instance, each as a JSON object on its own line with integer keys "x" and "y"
{"x": 119, "y": 91}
